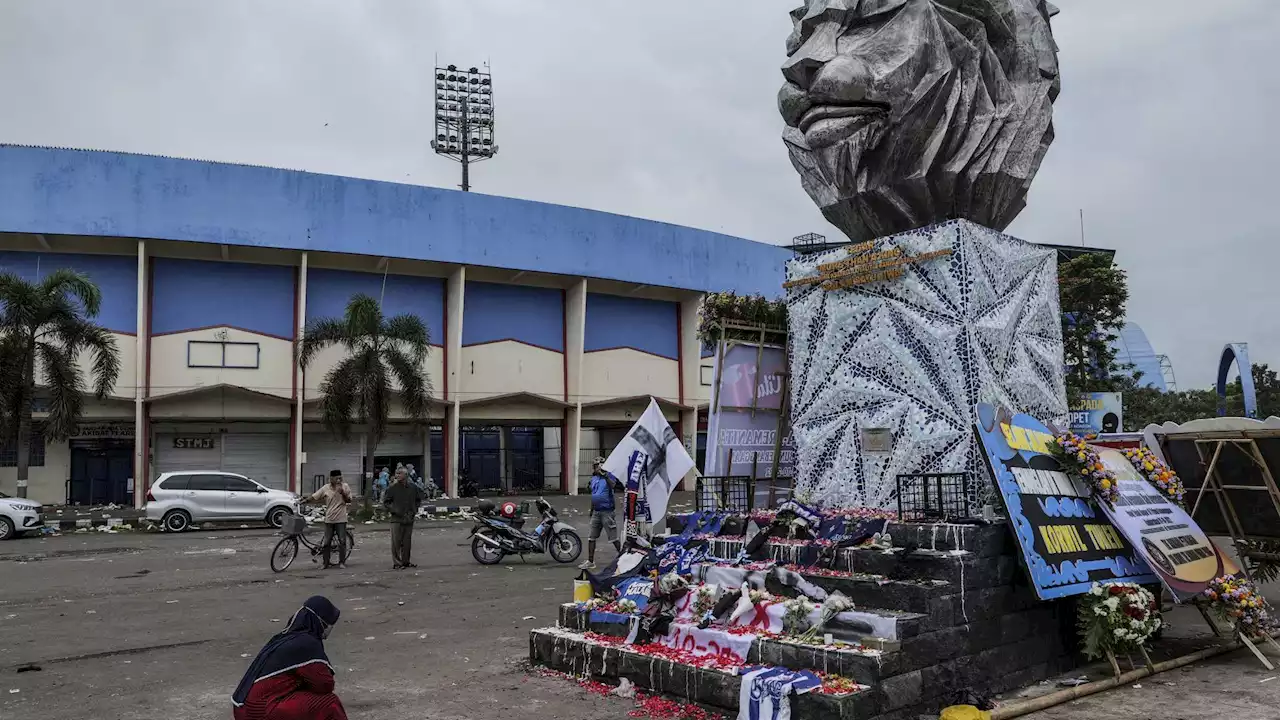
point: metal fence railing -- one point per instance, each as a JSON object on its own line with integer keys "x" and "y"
{"x": 726, "y": 493}
{"x": 740, "y": 493}
{"x": 933, "y": 497}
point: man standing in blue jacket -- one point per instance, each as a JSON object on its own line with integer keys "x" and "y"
{"x": 602, "y": 486}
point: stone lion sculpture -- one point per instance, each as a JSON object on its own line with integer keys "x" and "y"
{"x": 903, "y": 113}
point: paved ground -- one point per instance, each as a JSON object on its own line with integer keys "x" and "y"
{"x": 145, "y": 626}
{"x": 134, "y": 626}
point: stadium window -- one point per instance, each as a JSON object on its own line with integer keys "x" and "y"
{"x": 9, "y": 451}
{"x": 223, "y": 354}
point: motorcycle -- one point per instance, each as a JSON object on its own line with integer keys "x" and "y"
{"x": 494, "y": 537}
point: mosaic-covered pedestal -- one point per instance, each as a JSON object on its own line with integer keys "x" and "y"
{"x": 890, "y": 356}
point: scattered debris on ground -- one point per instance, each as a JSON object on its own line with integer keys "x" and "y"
{"x": 647, "y": 706}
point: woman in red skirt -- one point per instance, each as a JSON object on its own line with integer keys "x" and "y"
{"x": 291, "y": 679}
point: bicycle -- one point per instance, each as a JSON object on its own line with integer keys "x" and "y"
{"x": 294, "y": 530}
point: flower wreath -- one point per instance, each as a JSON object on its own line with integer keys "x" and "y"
{"x": 1117, "y": 618}
{"x": 796, "y": 618}
{"x": 1076, "y": 457}
{"x": 1238, "y": 602}
{"x": 1157, "y": 473}
{"x": 704, "y": 599}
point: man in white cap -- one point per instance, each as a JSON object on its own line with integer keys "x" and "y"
{"x": 602, "y": 486}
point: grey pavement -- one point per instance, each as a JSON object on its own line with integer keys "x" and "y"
{"x": 137, "y": 625}
{"x": 134, "y": 626}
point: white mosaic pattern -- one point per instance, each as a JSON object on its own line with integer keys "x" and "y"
{"x": 915, "y": 354}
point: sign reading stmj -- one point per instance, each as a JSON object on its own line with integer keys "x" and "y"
{"x": 193, "y": 443}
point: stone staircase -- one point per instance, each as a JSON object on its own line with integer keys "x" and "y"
{"x": 955, "y": 613}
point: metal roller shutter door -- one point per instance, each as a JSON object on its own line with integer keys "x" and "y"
{"x": 261, "y": 456}
{"x": 407, "y": 443}
{"x": 171, "y": 459}
{"x": 325, "y": 453}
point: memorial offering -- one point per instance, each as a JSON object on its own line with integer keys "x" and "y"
{"x": 1163, "y": 533}
{"x": 1157, "y": 473}
{"x": 1117, "y": 619}
{"x": 1238, "y": 602}
{"x": 1078, "y": 459}
{"x": 1066, "y": 545}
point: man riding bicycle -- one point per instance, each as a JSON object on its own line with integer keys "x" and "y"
{"x": 335, "y": 497}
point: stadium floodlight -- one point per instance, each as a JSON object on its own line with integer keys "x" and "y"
{"x": 464, "y": 117}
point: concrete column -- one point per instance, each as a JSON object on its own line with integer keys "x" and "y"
{"x": 690, "y": 350}
{"x": 141, "y": 446}
{"x": 299, "y": 382}
{"x": 575, "y": 333}
{"x": 690, "y": 378}
{"x": 451, "y": 440}
{"x": 455, "y": 297}
{"x": 572, "y": 440}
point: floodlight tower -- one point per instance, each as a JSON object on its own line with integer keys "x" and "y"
{"x": 464, "y": 117}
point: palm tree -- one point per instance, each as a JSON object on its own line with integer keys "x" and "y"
{"x": 49, "y": 325}
{"x": 380, "y": 351}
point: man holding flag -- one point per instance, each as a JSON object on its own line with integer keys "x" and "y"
{"x": 654, "y": 461}
{"x": 602, "y": 486}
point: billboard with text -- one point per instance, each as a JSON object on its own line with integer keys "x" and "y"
{"x": 746, "y": 400}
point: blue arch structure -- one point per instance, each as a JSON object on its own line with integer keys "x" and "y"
{"x": 1239, "y": 354}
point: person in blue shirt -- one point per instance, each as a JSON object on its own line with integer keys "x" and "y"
{"x": 602, "y": 486}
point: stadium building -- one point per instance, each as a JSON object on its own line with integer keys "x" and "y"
{"x": 552, "y": 326}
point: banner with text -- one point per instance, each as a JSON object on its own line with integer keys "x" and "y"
{"x": 746, "y": 376}
{"x": 1098, "y": 412}
{"x": 1164, "y": 534}
{"x": 1066, "y": 543}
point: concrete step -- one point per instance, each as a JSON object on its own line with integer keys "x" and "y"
{"x": 864, "y": 665}
{"x": 958, "y": 568}
{"x": 977, "y": 540}
{"x": 991, "y": 656}
{"x": 865, "y": 590}
{"x": 572, "y": 652}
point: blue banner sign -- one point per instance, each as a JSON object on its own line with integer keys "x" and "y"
{"x": 1067, "y": 543}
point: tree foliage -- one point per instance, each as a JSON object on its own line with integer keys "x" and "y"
{"x": 47, "y": 326}
{"x": 1093, "y": 292}
{"x": 719, "y": 309}
{"x": 1266, "y": 386}
{"x": 1144, "y": 406}
{"x": 384, "y": 357}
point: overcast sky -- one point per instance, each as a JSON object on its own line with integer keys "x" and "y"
{"x": 666, "y": 110}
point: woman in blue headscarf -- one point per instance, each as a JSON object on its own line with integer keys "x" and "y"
{"x": 291, "y": 678}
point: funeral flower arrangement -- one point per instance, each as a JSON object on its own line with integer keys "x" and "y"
{"x": 1077, "y": 458}
{"x": 1157, "y": 473}
{"x": 1117, "y": 618}
{"x": 704, "y": 599}
{"x": 835, "y": 604}
{"x": 1237, "y": 601}
{"x": 796, "y": 619}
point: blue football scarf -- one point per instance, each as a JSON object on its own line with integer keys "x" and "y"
{"x": 765, "y": 691}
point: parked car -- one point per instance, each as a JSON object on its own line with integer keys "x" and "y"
{"x": 178, "y": 499}
{"x": 18, "y": 516}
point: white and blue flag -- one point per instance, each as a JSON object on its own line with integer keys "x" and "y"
{"x": 765, "y": 691}
{"x": 652, "y": 454}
